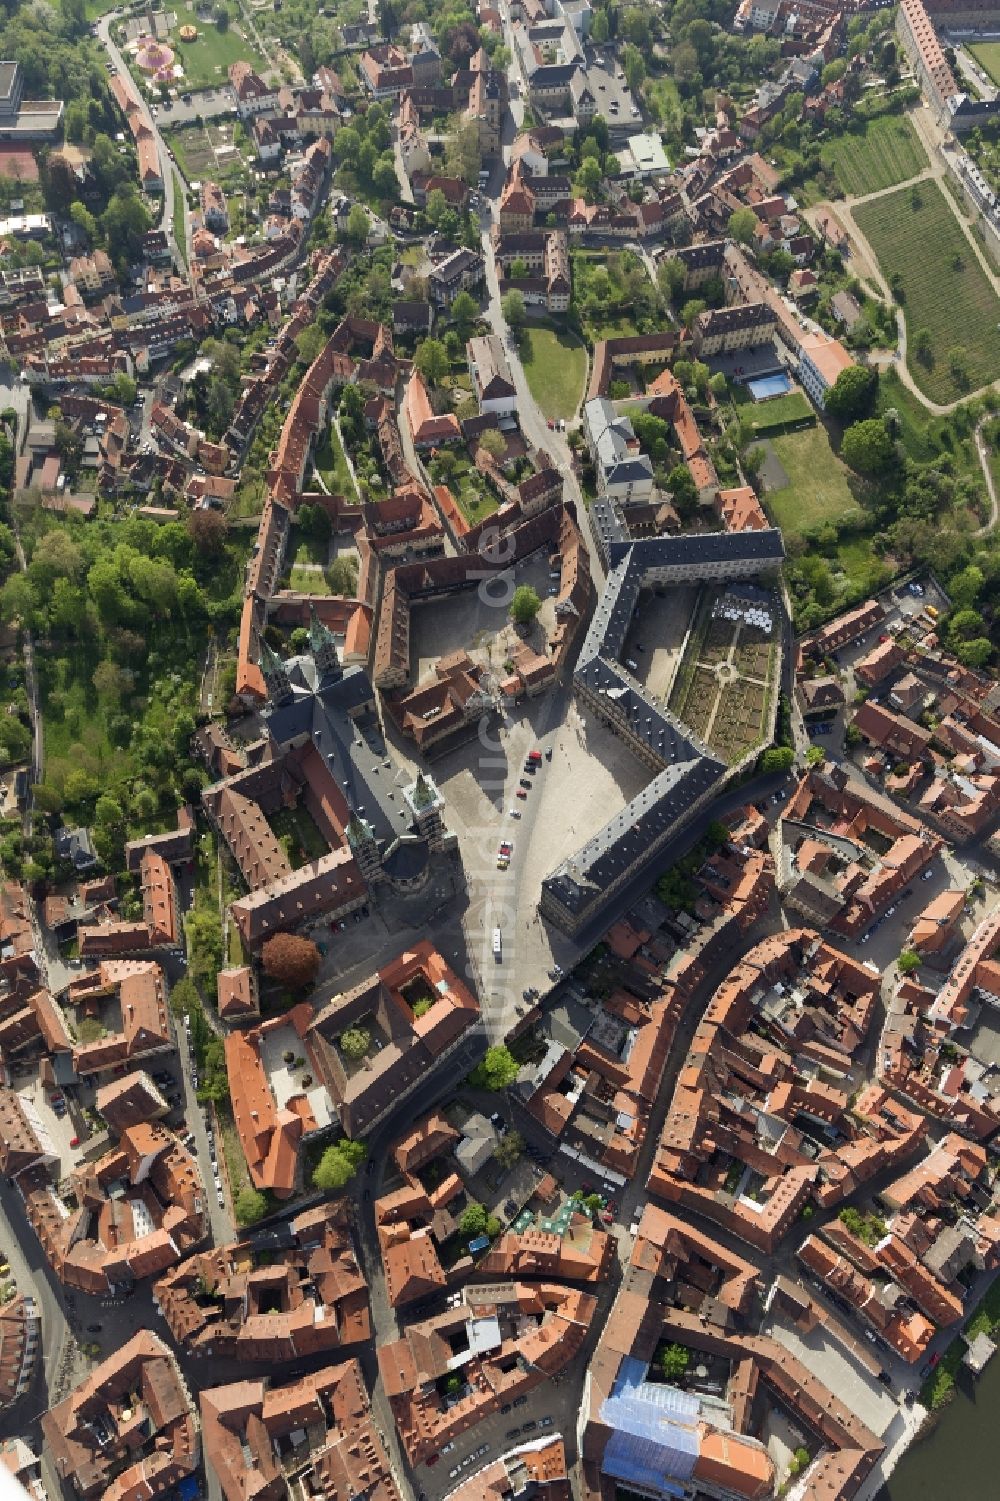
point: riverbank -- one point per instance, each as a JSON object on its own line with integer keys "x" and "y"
{"x": 953, "y": 1452}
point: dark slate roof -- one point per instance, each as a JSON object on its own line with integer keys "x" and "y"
{"x": 324, "y": 716}
{"x": 632, "y": 833}
{"x": 708, "y": 547}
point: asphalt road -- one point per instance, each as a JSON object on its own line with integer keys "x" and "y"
{"x": 168, "y": 170}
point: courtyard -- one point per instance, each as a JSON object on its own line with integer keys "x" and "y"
{"x": 725, "y": 684}
{"x": 476, "y": 621}
{"x": 656, "y": 637}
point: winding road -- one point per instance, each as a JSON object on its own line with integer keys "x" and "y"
{"x": 169, "y": 171}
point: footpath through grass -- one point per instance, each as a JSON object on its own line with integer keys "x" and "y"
{"x": 875, "y": 154}
{"x": 555, "y": 367}
{"x": 944, "y": 290}
{"x": 332, "y": 465}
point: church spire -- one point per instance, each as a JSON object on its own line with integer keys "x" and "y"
{"x": 323, "y": 646}
{"x": 276, "y": 679}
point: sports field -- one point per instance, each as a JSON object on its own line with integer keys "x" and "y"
{"x": 987, "y": 55}
{"x": 944, "y": 290}
{"x": 875, "y": 154}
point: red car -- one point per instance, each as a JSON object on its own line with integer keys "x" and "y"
{"x": 431, "y": 1459}
{"x": 522, "y": 794}
{"x": 74, "y": 1141}
{"x": 551, "y": 423}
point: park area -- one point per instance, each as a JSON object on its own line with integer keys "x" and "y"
{"x": 875, "y": 154}
{"x": 951, "y": 310}
{"x": 555, "y": 367}
{"x": 805, "y": 482}
{"x": 987, "y": 55}
{"x": 206, "y": 56}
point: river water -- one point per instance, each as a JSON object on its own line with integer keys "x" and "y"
{"x": 957, "y": 1461}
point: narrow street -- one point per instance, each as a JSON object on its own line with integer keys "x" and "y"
{"x": 168, "y": 169}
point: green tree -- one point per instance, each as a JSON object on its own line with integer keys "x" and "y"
{"x": 355, "y": 1042}
{"x": 525, "y": 604}
{"x": 852, "y": 394}
{"x": 683, "y": 489}
{"x": 431, "y": 359}
{"x": 743, "y": 226}
{"x": 674, "y": 1362}
{"x": 497, "y": 1071}
{"x": 634, "y": 67}
{"x": 493, "y": 443}
{"x": 338, "y": 1165}
{"x": 815, "y": 755}
{"x": 512, "y": 307}
{"x": 250, "y": 1206}
{"x": 778, "y": 758}
{"x": 342, "y": 576}
{"x": 310, "y": 343}
{"x": 923, "y": 347}
{"x": 465, "y": 312}
{"x": 908, "y": 961}
{"x": 358, "y": 225}
{"x": 691, "y": 312}
{"x": 509, "y": 1148}
{"x": 867, "y": 447}
{"x": 436, "y": 207}
{"x": 670, "y": 277}
{"x": 473, "y": 1221}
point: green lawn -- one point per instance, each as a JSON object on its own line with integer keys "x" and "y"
{"x": 206, "y": 60}
{"x": 944, "y": 289}
{"x": 817, "y": 489}
{"x": 307, "y": 580}
{"x": 875, "y": 154}
{"x": 555, "y": 364}
{"x": 332, "y": 465}
{"x": 475, "y": 505}
{"x": 987, "y": 55}
{"x": 763, "y": 416}
{"x": 305, "y": 842}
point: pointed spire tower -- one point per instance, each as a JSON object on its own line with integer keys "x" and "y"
{"x": 426, "y": 807}
{"x": 323, "y": 646}
{"x": 361, "y": 838}
{"x": 276, "y": 679}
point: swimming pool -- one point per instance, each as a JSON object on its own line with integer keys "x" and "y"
{"x": 769, "y": 385}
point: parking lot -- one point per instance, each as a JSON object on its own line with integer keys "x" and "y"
{"x": 831, "y": 1363}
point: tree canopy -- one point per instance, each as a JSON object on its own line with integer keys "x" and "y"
{"x": 291, "y": 960}
{"x": 497, "y": 1071}
{"x": 525, "y": 604}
